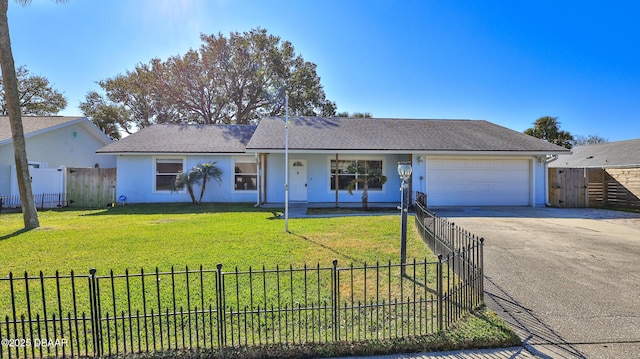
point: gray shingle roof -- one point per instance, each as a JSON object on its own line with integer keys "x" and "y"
{"x": 32, "y": 124}
{"x": 315, "y": 133}
{"x": 611, "y": 154}
{"x": 184, "y": 139}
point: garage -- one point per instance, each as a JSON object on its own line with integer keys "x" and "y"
{"x": 478, "y": 182}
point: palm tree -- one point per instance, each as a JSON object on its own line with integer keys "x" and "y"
{"x": 12, "y": 99}
{"x": 364, "y": 176}
{"x": 208, "y": 170}
{"x": 202, "y": 172}
{"x": 188, "y": 180}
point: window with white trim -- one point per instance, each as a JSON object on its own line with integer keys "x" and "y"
{"x": 166, "y": 171}
{"x": 345, "y": 176}
{"x": 245, "y": 176}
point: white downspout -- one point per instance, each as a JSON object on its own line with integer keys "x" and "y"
{"x": 546, "y": 178}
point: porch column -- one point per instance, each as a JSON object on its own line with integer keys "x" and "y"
{"x": 336, "y": 180}
{"x": 411, "y": 180}
{"x": 263, "y": 165}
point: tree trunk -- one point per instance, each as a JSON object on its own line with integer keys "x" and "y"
{"x": 12, "y": 99}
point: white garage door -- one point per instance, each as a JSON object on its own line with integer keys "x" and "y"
{"x": 465, "y": 182}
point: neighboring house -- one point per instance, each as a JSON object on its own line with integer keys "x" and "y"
{"x": 52, "y": 142}
{"x": 602, "y": 155}
{"x": 456, "y": 162}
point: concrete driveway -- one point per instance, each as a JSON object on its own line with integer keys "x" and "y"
{"x": 567, "y": 280}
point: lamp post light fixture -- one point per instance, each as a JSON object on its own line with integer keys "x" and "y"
{"x": 404, "y": 170}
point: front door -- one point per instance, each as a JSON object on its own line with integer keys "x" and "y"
{"x": 298, "y": 180}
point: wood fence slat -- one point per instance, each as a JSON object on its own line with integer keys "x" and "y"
{"x": 91, "y": 187}
{"x": 594, "y": 187}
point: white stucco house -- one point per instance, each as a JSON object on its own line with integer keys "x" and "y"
{"x": 455, "y": 162}
{"x": 52, "y": 142}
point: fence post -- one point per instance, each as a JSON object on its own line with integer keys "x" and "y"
{"x": 440, "y": 293}
{"x": 481, "y": 260}
{"x": 335, "y": 301}
{"x": 220, "y": 307}
{"x": 95, "y": 313}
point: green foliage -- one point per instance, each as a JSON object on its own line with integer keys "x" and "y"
{"x": 37, "y": 97}
{"x": 365, "y": 176}
{"x": 200, "y": 174}
{"x": 548, "y": 129}
{"x": 355, "y": 114}
{"x": 480, "y": 330}
{"x": 235, "y": 79}
{"x": 240, "y": 236}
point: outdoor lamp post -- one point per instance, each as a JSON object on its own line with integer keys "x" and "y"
{"x": 404, "y": 170}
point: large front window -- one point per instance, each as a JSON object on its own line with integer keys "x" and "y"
{"x": 344, "y": 169}
{"x": 166, "y": 171}
{"x": 246, "y": 176}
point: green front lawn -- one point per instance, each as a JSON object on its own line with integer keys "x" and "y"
{"x": 164, "y": 235}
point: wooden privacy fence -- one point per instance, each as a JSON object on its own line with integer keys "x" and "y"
{"x": 91, "y": 187}
{"x": 594, "y": 187}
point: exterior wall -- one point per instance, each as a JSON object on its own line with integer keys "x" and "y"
{"x": 318, "y": 178}
{"x": 57, "y": 148}
{"x": 135, "y": 180}
{"x": 540, "y": 198}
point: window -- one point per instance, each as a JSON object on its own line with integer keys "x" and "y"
{"x": 246, "y": 176}
{"x": 345, "y": 176}
{"x": 166, "y": 171}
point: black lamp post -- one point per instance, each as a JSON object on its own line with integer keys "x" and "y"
{"x": 404, "y": 170}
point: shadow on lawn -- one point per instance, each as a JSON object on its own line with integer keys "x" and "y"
{"x": 178, "y": 208}
{"x": 14, "y": 234}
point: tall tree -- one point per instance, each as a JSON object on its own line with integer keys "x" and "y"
{"x": 548, "y": 129}
{"x": 111, "y": 119}
{"x": 588, "y": 140}
{"x": 12, "y": 100}
{"x": 36, "y": 96}
{"x": 235, "y": 79}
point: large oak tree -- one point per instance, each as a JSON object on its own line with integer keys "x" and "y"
{"x": 36, "y": 96}
{"x": 228, "y": 80}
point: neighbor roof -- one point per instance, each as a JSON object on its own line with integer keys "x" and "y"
{"x": 35, "y": 124}
{"x": 319, "y": 133}
{"x": 611, "y": 154}
{"x": 184, "y": 139}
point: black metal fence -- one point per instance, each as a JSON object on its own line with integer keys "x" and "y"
{"x": 91, "y": 314}
{"x": 42, "y": 201}
{"x": 462, "y": 255}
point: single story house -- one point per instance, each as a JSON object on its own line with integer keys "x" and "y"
{"x": 455, "y": 162}
{"x": 52, "y": 142}
{"x": 621, "y": 154}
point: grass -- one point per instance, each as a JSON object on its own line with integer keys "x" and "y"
{"x": 480, "y": 329}
{"x": 165, "y": 235}
{"x": 160, "y": 237}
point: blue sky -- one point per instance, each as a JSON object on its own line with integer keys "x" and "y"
{"x": 508, "y": 62}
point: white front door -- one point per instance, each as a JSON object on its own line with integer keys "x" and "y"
{"x": 298, "y": 180}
